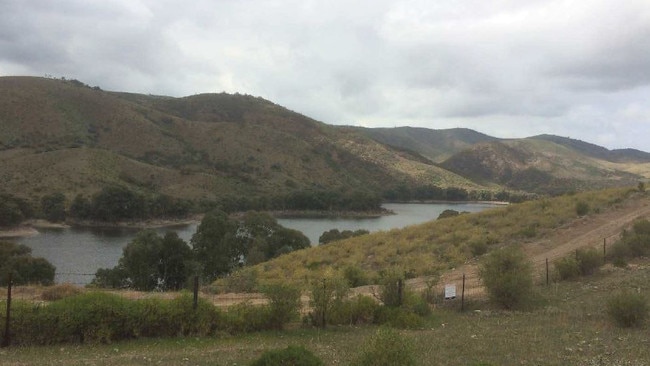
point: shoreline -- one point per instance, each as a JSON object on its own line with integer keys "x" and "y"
{"x": 30, "y": 227}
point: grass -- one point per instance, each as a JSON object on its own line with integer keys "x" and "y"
{"x": 569, "y": 327}
{"x": 424, "y": 249}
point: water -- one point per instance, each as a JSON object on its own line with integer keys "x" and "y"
{"x": 77, "y": 253}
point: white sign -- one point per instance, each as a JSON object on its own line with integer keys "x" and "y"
{"x": 450, "y": 292}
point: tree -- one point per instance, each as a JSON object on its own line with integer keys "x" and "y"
{"x": 25, "y": 268}
{"x": 263, "y": 238}
{"x": 508, "y": 277}
{"x": 150, "y": 262}
{"x": 53, "y": 207}
{"x": 215, "y": 245}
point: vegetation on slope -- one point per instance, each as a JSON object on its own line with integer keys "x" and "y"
{"x": 425, "y": 249}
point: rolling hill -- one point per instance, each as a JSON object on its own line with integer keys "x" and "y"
{"x": 61, "y": 135}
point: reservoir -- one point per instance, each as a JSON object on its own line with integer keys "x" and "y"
{"x": 77, "y": 253}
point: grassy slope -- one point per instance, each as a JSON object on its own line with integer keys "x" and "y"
{"x": 569, "y": 327}
{"x": 442, "y": 244}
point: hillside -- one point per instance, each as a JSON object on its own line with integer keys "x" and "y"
{"x": 440, "y": 245}
{"x": 435, "y": 145}
{"x": 64, "y": 136}
{"x": 541, "y": 166}
{"x": 61, "y": 135}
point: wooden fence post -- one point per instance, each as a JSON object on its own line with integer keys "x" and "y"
{"x": 195, "y": 304}
{"x": 462, "y": 296}
{"x": 546, "y": 271}
{"x": 7, "y": 339}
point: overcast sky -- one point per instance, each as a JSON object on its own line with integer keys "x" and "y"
{"x": 508, "y": 68}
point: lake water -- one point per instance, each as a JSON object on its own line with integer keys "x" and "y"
{"x": 77, "y": 253}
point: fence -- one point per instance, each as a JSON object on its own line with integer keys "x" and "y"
{"x": 465, "y": 281}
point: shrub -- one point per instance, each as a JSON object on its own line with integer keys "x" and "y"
{"x": 567, "y": 268}
{"x": 582, "y": 208}
{"x": 355, "y": 276}
{"x": 241, "y": 281}
{"x": 290, "y": 356}
{"x": 325, "y": 295}
{"x": 589, "y": 261}
{"x": 61, "y": 291}
{"x": 398, "y": 318}
{"x": 508, "y": 277}
{"x": 387, "y": 348}
{"x": 359, "y": 310}
{"x": 284, "y": 304}
{"x": 627, "y": 309}
{"x": 391, "y": 289}
{"x": 245, "y": 318}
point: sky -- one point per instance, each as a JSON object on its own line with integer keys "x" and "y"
{"x": 507, "y": 68}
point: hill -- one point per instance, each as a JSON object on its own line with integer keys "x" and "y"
{"x": 438, "y": 246}
{"x": 63, "y": 136}
{"x": 541, "y": 166}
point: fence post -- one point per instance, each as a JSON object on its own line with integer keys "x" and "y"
{"x": 462, "y": 296}
{"x": 604, "y": 250}
{"x": 195, "y": 304}
{"x": 7, "y": 339}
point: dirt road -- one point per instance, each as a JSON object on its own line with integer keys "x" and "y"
{"x": 589, "y": 231}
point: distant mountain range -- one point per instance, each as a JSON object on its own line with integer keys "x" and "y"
{"x": 64, "y": 136}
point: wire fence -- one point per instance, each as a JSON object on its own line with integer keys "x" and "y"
{"x": 455, "y": 288}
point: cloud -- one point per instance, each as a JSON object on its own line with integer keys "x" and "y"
{"x": 507, "y": 68}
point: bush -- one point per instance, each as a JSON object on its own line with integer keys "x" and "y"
{"x": 508, "y": 277}
{"x": 325, "y": 295}
{"x": 398, "y": 318}
{"x": 355, "y": 276}
{"x": 589, "y": 261}
{"x": 627, "y": 309}
{"x": 290, "y": 356}
{"x": 284, "y": 304}
{"x": 567, "y": 268}
{"x": 392, "y": 289}
{"x": 359, "y": 310}
{"x": 387, "y": 348}
{"x": 582, "y": 208}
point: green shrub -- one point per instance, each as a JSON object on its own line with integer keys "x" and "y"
{"x": 589, "y": 260}
{"x": 284, "y": 304}
{"x": 508, "y": 277}
{"x": 582, "y": 208}
{"x": 567, "y": 268}
{"x": 325, "y": 295}
{"x": 355, "y": 276}
{"x": 358, "y": 310}
{"x": 627, "y": 309}
{"x": 398, "y": 318}
{"x": 245, "y": 318}
{"x": 478, "y": 248}
{"x": 290, "y": 356}
{"x": 387, "y": 348}
{"x": 392, "y": 286}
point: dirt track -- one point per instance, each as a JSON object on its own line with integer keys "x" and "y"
{"x": 589, "y": 231}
